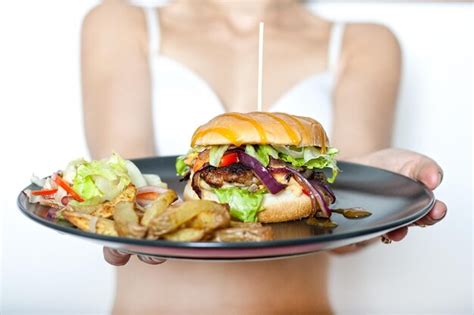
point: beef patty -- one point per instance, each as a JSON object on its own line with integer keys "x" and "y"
{"x": 234, "y": 173}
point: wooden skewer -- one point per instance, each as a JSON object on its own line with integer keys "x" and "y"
{"x": 260, "y": 67}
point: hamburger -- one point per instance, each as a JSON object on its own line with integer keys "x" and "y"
{"x": 268, "y": 167}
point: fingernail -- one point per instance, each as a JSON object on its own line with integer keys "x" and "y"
{"x": 385, "y": 239}
{"x": 420, "y": 224}
{"x": 440, "y": 173}
{"x": 442, "y": 216}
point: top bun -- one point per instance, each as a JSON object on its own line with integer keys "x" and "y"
{"x": 261, "y": 128}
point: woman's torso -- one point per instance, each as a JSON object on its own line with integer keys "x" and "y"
{"x": 187, "y": 90}
{"x": 200, "y": 72}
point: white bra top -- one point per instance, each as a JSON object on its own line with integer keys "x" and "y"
{"x": 182, "y": 100}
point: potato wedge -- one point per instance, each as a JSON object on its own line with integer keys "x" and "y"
{"x": 158, "y": 206}
{"x": 211, "y": 220}
{"x": 126, "y": 220}
{"x": 185, "y": 235}
{"x": 107, "y": 208}
{"x": 253, "y": 234}
{"x": 90, "y": 223}
{"x": 175, "y": 216}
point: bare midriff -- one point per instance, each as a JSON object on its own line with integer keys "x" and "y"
{"x": 290, "y": 132}
{"x": 255, "y": 124}
{"x": 224, "y": 132}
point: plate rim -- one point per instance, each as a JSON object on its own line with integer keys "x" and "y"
{"x": 238, "y": 245}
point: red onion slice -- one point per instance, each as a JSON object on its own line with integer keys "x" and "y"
{"x": 315, "y": 183}
{"x": 261, "y": 172}
{"x": 314, "y": 193}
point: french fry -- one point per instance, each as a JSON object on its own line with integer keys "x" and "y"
{"x": 240, "y": 234}
{"x": 185, "y": 235}
{"x": 89, "y": 223}
{"x": 175, "y": 216}
{"x": 126, "y": 221}
{"x": 158, "y": 206}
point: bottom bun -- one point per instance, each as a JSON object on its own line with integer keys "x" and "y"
{"x": 282, "y": 207}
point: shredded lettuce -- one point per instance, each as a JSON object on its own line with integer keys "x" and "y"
{"x": 181, "y": 167}
{"x": 98, "y": 181}
{"x": 311, "y": 157}
{"x": 294, "y": 152}
{"x": 216, "y": 153}
{"x": 136, "y": 177}
{"x": 154, "y": 180}
{"x": 243, "y": 204}
{"x": 262, "y": 153}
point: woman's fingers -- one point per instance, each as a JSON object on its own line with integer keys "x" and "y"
{"x": 428, "y": 172}
{"x": 119, "y": 258}
{"x": 435, "y": 215}
{"x": 151, "y": 260}
{"x": 115, "y": 257}
{"x": 398, "y": 234}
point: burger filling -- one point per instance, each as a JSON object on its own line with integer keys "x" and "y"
{"x": 241, "y": 176}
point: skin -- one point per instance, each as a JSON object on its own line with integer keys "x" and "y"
{"x": 115, "y": 79}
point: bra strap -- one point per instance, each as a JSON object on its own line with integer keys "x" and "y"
{"x": 153, "y": 27}
{"x": 335, "y": 45}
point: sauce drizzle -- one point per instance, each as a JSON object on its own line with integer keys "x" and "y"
{"x": 302, "y": 128}
{"x": 256, "y": 124}
{"x": 323, "y": 140}
{"x": 291, "y": 133}
{"x": 224, "y": 132}
{"x": 323, "y": 223}
{"x": 353, "y": 213}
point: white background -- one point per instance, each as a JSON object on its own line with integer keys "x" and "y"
{"x": 41, "y": 130}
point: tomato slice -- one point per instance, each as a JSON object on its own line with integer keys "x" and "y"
{"x": 58, "y": 179}
{"x": 44, "y": 192}
{"x": 150, "y": 195}
{"x": 228, "y": 159}
{"x": 305, "y": 191}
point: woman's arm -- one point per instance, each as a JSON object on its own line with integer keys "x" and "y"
{"x": 366, "y": 90}
{"x": 364, "y": 100}
{"x": 115, "y": 82}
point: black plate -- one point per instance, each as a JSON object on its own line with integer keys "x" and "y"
{"x": 394, "y": 201}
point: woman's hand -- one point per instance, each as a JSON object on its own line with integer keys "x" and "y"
{"x": 414, "y": 165}
{"x": 119, "y": 258}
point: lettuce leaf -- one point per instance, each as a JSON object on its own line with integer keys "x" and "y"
{"x": 98, "y": 181}
{"x": 216, "y": 153}
{"x": 262, "y": 153}
{"x": 311, "y": 157}
{"x": 243, "y": 204}
{"x": 181, "y": 167}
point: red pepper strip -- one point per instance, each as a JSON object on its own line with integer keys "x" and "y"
{"x": 228, "y": 159}
{"x": 150, "y": 195}
{"x": 44, "y": 192}
{"x": 67, "y": 188}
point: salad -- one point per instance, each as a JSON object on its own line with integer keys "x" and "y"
{"x": 85, "y": 184}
